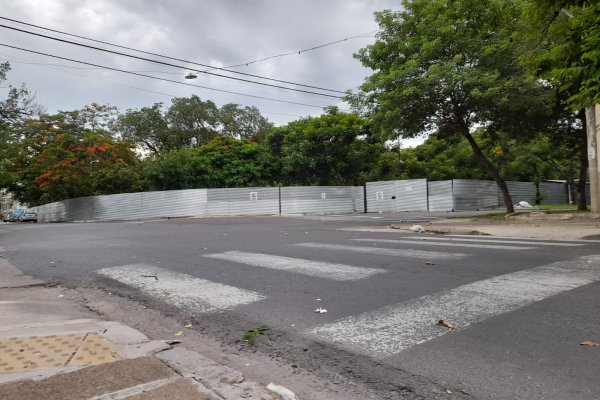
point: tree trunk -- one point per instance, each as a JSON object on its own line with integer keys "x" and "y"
{"x": 491, "y": 170}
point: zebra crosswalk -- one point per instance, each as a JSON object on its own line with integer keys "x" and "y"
{"x": 382, "y": 331}
{"x": 327, "y": 270}
{"x": 391, "y": 329}
{"x": 184, "y": 291}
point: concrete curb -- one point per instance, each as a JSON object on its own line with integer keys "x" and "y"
{"x": 194, "y": 373}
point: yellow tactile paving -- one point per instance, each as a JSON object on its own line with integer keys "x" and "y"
{"x": 29, "y": 353}
{"x": 94, "y": 350}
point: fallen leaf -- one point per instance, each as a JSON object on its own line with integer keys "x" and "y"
{"x": 448, "y": 391}
{"x": 443, "y": 322}
{"x": 180, "y": 333}
{"x": 589, "y": 343}
{"x": 188, "y": 326}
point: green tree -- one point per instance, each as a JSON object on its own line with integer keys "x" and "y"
{"x": 17, "y": 106}
{"x": 449, "y": 67}
{"x": 336, "y": 148}
{"x": 562, "y": 46}
{"x": 147, "y": 128}
{"x": 223, "y": 162}
{"x": 243, "y": 122}
{"x": 192, "y": 122}
{"x": 565, "y": 47}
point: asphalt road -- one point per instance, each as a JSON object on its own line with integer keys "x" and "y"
{"x": 519, "y": 308}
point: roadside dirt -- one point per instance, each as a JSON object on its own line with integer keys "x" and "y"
{"x": 534, "y": 225}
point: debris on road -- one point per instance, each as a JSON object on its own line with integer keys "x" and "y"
{"x": 429, "y": 263}
{"x": 285, "y": 393}
{"x": 321, "y": 310}
{"x": 443, "y": 322}
{"x": 523, "y": 204}
{"x": 188, "y": 326}
{"x": 171, "y": 342}
{"x": 52, "y": 264}
{"x": 417, "y": 228}
{"x": 589, "y": 343}
{"x": 150, "y": 276}
{"x": 180, "y": 333}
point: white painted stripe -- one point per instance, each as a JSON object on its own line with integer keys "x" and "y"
{"x": 338, "y": 272}
{"x": 431, "y": 255}
{"x": 493, "y": 239}
{"x": 391, "y": 329}
{"x": 184, "y": 291}
{"x": 447, "y": 244}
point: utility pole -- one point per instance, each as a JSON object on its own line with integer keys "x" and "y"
{"x": 592, "y": 116}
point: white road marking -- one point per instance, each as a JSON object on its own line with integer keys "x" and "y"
{"x": 391, "y": 329}
{"x": 184, "y": 291}
{"x": 447, "y": 244}
{"x": 338, "y": 272}
{"x": 493, "y": 239}
{"x": 431, "y": 255}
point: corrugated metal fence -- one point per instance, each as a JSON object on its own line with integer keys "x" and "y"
{"x": 405, "y": 195}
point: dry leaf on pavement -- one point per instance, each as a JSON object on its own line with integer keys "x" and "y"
{"x": 443, "y": 322}
{"x": 589, "y": 343}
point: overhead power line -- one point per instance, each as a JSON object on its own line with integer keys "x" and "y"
{"x": 157, "y": 78}
{"x": 164, "y": 63}
{"x": 172, "y": 58}
{"x": 289, "y": 53}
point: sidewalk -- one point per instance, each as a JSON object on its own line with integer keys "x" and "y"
{"x": 53, "y": 349}
{"x": 534, "y": 225}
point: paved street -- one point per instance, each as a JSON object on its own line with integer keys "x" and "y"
{"x": 517, "y": 308}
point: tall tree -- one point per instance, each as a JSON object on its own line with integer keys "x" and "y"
{"x": 335, "y": 148}
{"x": 223, "y": 162}
{"x": 563, "y": 48}
{"x": 192, "y": 121}
{"x": 449, "y": 67}
{"x": 147, "y": 128}
{"x": 55, "y": 162}
{"x": 243, "y": 122}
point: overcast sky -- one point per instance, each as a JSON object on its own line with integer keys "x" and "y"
{"x": 214, "y": 32}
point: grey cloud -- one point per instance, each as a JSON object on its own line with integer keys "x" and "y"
{"x": 220, "y": 32}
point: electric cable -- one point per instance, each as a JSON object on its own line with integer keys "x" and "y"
{"x": 158, "y": 78}
{"x": 210, "y": 67}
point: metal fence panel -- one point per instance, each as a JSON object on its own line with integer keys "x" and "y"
{"x": 174, "y": 203}
{"x": 405, "y": 195}
{"x": 358, "y": 194}
{"x": 51, "y": 212}
{"x": 411, "y": 195}
{"x": 474, "y": 195}
{"x": 519, "y": 191}
{"x": 242, "y": 201}
{"x": 118, "y": 206}
{"x": 79, "y": 209}
{"x": 318, "y": 199}
{"x": 440, "y": 196}
{"x": 381, "y": 196}
{"x": 554, "y": 193}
